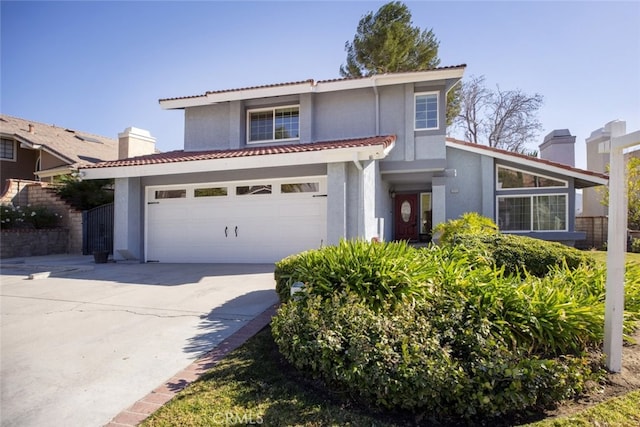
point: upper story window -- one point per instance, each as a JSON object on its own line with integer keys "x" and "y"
{"x": 7, "y": 149}
{"x": 513, "y": 179}
{"x": 426, "y": 104}
{"x": 273, "y": 124}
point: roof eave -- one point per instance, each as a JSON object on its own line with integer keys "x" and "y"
{"x": 30, "y": 145}
{"x": 310, "y": 86}
{"x": 335, "y": 155}
{"x": 583, "y": 180}
{"x": 48, "y": 173}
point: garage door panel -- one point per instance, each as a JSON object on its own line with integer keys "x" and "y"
{"x": 260, "y": 228}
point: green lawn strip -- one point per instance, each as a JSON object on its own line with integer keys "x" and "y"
{"x": 620, "y": 412}
{"x": 601, "y": 256}
{"x": 251, "y": 386}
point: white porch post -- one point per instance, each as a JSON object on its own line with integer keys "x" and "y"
{"x": 616, "y": 245}
{"x": 368, "y": 195}
{"x": 439, "y": 200}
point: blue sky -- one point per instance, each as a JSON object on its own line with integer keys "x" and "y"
{"x": 102, "y": 66}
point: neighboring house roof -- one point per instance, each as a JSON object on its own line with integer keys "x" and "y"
{"x": 310, "y": 85}
{"x": 583, "y": 178}
{"x": 71, "y": 146}
{"x": 250, "y": 157}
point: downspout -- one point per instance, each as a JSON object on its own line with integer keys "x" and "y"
{"x": 375, "y": 91}
{"x": 452, "y": 86}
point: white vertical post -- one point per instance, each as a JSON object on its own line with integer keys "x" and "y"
{"x": 616, "y": 248}
{"x": 614, "y": 301}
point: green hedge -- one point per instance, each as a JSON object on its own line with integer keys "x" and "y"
{"x": 402, "y": 359}
{"x": 519, "y": 253}
{"x": 468, "y": 340}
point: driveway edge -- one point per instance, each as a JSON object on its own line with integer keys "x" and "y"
{"x": 139, "y": 411}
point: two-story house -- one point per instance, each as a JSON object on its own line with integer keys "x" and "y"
{"x": 273, "y": 170}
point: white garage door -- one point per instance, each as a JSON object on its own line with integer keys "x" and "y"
{"x": 237, "y": 222}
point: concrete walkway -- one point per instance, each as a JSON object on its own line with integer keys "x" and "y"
{"x": 86, "y": 344}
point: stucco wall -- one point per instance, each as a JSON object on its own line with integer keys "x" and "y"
{"x": 348, "y": 114}
{"x": 206, "y": 127}
{"x": 325, "y": 117}
{"x": 463, "y": 191}
{"x": 48, "y": 161}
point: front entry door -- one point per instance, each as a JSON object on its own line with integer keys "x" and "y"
{"x": 406, "y": 217}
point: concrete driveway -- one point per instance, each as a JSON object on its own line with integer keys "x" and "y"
{"x": 83, "y": 344}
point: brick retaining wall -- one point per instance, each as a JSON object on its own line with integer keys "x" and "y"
{"x": 22, "y": 192}
{"x": 31, "y": 242}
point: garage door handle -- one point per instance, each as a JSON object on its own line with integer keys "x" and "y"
{"x": 236, "y": 231}
{"x": 225, "y": 231}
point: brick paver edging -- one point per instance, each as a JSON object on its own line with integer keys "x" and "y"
{"x": 139, "y": 411}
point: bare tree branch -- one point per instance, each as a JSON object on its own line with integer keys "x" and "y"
{"x": 501, "y": 119}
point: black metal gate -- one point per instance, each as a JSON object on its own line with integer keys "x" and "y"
{"x": 97, "y": 229}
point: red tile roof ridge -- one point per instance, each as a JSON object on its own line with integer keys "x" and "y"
{"x": 527, "y": 157}
{"x": 309, "y": 81}
{"x": 339, "y": 79}
{"x": 185, "y": 156}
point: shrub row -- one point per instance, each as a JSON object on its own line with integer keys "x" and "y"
{"x": 27, "y": 217}
{"x": 468, "y": 340}
{"x": 402, "y": 359}
{"x": 482, "y": 325}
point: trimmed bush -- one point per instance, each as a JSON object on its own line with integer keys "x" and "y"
{"x": 401, "y": 359}
{"x": 517, "y": 254}
{"x": 458, "y": 336}
{"x": 470, "y": 223}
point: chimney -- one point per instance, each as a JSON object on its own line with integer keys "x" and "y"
{"x": 597, "y": 161}
{"x": 559, "y": 146}
{"x": 135, "y": 142}
{"x": 32, "y": 129}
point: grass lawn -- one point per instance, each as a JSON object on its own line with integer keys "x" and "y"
{"x": 253, "y": 385}
{"x": 601, "y": 256}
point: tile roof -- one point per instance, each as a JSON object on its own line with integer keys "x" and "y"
{"x": 72, "y": 146}
{"x": 310, "y": 82}
{"x": 189, "y": 156}
{"x": 526, "y": 157}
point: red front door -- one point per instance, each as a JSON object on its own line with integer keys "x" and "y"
{"x": 406, "y": 217}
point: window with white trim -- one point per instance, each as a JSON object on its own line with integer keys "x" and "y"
{"x": 544, "y": 212}
{"x": 7, "y": 149}
{"x": 273, "y": 124}
{"x": 513, "y": 179}
{"x": 426, "y": 110}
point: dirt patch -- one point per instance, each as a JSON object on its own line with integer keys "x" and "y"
{"x": 616, "y": 384}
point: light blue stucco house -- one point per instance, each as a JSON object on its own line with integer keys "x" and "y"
{"x": 273, "y": 170}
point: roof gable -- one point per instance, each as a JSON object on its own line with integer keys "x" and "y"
{"x": 583, "y": 178}
{"x": 71, "y": 146}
